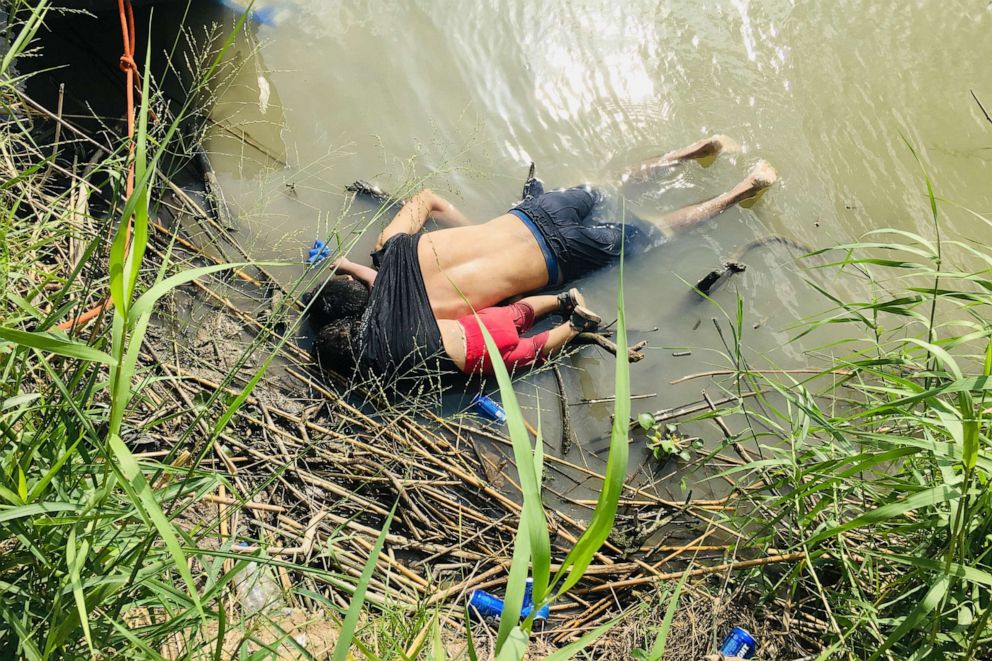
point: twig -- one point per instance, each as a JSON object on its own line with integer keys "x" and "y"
{"x": 567, "y": 435}
{"x": 984, "y": 111}
{"x": 603, "y": 400}
{"x": 634, "y": 353}
{"x": 699, "y": 375}
{"x": 696, "y": 407}
{"x": 715, "y": 569}
{"x": 225, "y": 500}
{"x": 738, "y": 448}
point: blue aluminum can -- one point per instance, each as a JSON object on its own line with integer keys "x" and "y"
{"x": 738, "y": 643}
{"x": 528, "y": 604}
{"x": 489, "y": 408}
{"x": 488, "y": 605}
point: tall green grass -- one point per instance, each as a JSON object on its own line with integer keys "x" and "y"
{"x": 882, "y": 477}
{"x": 532, "y": 547}
{"x": 89, "y": 533}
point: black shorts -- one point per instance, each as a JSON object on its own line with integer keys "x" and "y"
{"x": 583, "y": 229}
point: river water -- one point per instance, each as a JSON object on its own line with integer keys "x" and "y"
{"x": 463, "y": 96}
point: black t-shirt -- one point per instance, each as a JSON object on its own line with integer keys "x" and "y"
{"x": 399, "y": 335}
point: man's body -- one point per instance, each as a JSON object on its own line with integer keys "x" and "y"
{"x": 499, "y": 259}
{"x": 427, "y": 278}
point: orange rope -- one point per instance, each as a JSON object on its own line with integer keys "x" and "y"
{"x": 130, "y": 69}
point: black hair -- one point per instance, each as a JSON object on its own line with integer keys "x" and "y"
{"x": 336, "y": 346}
{"x": 338, "y": 298}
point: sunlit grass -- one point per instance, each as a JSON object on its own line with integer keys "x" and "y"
{"x": 882, "y": 479}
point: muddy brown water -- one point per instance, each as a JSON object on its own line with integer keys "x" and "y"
{"x": 463, "y": 96}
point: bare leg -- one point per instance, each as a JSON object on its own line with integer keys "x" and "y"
{"x": 542, "y": 305}
{"x": 558, "y": 337}
{"x": 761, "y": 177}
{"x": 704, "y": 150}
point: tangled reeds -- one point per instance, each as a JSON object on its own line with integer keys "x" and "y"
{"x": 333, "y": 468}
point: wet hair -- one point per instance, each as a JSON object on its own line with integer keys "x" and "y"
{"x": 338, "y": 298}
{"x": 336, "y": 346}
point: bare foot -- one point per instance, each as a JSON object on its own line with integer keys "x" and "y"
{"x": 724, "y": 143}
{"x": 761, "y": 177}
{"x": 709, "y": 148}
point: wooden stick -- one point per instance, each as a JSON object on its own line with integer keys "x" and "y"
{"x": 634, "y": 353}
{"x": 729, "y": 566}
{"x": 225, "y": 500}
{"x": 696, "y": 407}
{"x": 699, "y": 375}
{"x": 604, "y": 400}
{"x": 567, "y": 435}
{"x": 984, "y": 111}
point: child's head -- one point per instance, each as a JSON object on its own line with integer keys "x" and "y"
{"x": 340, "y": 297}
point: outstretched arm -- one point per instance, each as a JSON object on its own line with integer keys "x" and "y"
{"x": 366, "y": 274}
{"x": 415, "y": 212}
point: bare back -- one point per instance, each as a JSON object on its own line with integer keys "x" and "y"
{"x": 486, "y": 263}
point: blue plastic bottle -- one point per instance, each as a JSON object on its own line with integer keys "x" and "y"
{"x": 488, "y": 408}
{"x": 490, "y": 606}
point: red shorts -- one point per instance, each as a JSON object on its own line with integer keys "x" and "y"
{"x": 504, "y": 323}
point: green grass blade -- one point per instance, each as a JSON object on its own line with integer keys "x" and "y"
{"x": 52, "y": 343}
{"x": 147, "y": 300}
{"x": 932, "y": 599}
{"x": 513, "y": 598}
{"x": 74, "y": 559}
{"x": 437, "y": 643}
{"x": 957, "y": 570}
{"x": 658, "y": 649}
{"x": 25, "y": 638}
{"x": 146, "y": 650}
{"x": 473, "y": 655}
{"x": 42, "y": 484}
{"x": 24, "y": 37}
{"x": 587, "y": 639}
{"x": 34, "y": 509}
{"x": 942, "y": 493}
{"x": 139, "y": 234}
{"x": 599, "y": 528}
{"x": 140, "y": 491}
{"x": 533, "y": 522}
{"x": 350, "y": 623}
{"x": 515, "y": 646}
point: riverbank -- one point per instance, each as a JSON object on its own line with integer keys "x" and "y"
{"x": 221, "y": 446}
{"x": 167, "y": 477}
{"x": 250, "y": 454}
